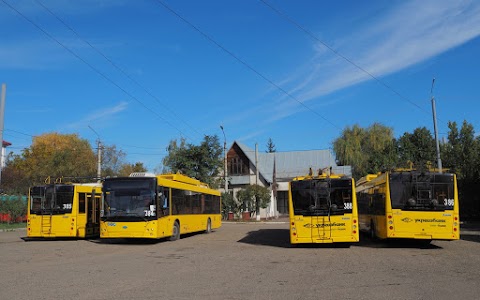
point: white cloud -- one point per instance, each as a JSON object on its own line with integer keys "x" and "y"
{"x": 102, "y": 115}
{"x": 409, "y": 34}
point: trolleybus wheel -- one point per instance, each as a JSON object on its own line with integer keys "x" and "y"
{"x": 175, "y": 231}
{"x": 209, "y": 226}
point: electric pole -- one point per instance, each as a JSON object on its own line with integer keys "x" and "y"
{"x": 2, "y": 114}
{"x": 439, "y": 160}
{"x": 225, "y": 176}
{"x": 99, "y": 156}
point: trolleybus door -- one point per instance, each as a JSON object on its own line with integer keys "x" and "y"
{"x": 93, "y": 214}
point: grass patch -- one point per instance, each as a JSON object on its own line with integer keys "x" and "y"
{"x": 7, "y": 226}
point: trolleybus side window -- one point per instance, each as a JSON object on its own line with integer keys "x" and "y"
{"x": 164, "y": 209}
{"x": 178, "y": 202}
{"x": 81, "y": 203}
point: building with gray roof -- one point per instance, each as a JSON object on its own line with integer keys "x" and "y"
{"x": 247, "y": 166}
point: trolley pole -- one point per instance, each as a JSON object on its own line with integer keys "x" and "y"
{"x": 439, "y": 160}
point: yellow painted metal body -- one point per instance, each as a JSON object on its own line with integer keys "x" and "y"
{"x": 80, "y": 223}
{"x": 162, "y": 226}
{"x": 323, "y": 229}
{"x": 400, "y": 223}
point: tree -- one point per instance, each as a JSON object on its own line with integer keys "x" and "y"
{"x": 51, "y": 154}
{"x": 461, "y": 154}
{"x": 202, "y": 162}
{"x": 417, "y": 148}
{"x": 254, "y": 197}
{"x": 14, "y": 179}
{"x": 270, "y": 146}
{"x": 367, "y": 150}
{"x": 127, "y": 169}
{"x": 112, "y": 161}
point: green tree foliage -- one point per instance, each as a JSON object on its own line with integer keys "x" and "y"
{"x": 254, "y": 197}
{"x": 367, "y": 150}
{"x": 202, "y": 162}
{"x": 270, "y": 146}
{"x": 462, "y": 152}
{"x": 14, "y": 180}
{"x": 417, "y": 148}
{"x": 229, "y": 204}
{"x": 14, "y": 206}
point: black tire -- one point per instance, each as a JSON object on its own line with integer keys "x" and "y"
{"x": 175, "y": 231}
{"x": 209, "y": 226}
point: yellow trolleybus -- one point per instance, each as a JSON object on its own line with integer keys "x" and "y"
{"x": 323, "y": 209}
{"x": 62, "y": 210}
{"x": 409, "y": 204}
{"x": 155, "y": 206}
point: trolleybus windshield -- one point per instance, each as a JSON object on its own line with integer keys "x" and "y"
{"x": 51, "y": 199}
{"x": 129, "y": 199}
{"x": 321, "y": 197}
{"x": 422, "y": 191}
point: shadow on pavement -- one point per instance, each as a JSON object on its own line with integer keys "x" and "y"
{"x": 281, "y": 238}
{"x": 368, "y": 242}
{"x": 471, "y": 237}
{"x": 268, "y": 237}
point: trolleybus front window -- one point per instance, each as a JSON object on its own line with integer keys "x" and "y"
{"x": 51, "y": 199}
{"x": 64, "y": 198}
{"x": 130, "y": 200}
{"x": 322, "y": 197}
{"x": 421, "y": 191}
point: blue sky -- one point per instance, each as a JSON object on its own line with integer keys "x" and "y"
{"x": 298, "y": 72}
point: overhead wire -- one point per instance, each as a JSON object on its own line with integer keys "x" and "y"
{"x": 313, "y": 36}
{"x": 111, "y": 62}
{"x": 243, "y": 62}
{"x": 96, "y": 70}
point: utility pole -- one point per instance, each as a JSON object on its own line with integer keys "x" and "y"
{"x": 99, "y": 156}
{"x": 439, "y": 160}
{"x": 2, "y": 114}
{"x": 225, "y": 177}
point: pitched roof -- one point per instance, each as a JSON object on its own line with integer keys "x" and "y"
{"x": 294, "y": 163}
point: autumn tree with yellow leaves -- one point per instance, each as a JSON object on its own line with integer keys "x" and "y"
{"x": 51, "y": 154}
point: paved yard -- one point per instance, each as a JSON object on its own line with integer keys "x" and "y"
{"x": 238, "y": 261}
